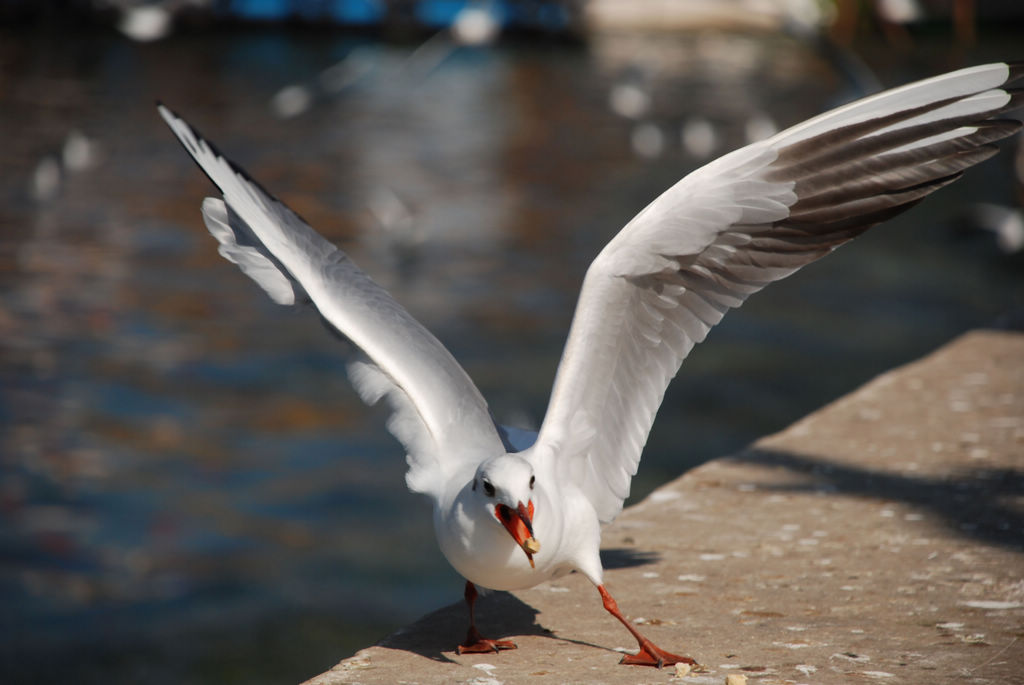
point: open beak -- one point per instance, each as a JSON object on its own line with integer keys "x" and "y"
{"x": 519, "y": 524}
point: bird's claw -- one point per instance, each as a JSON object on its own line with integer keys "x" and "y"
{"x": 478, "y": 644}
{"x": 484, "y": 646}
{"x": 651, "y": 655}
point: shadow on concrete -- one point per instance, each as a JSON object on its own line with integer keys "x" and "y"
{"x": 499, "y": 615}
{"x": 436, "y": 635}
{"x": 974, "y": 502}
{"x": 624, "y": 557}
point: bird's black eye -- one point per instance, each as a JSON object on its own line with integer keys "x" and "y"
{"x": 533, "y": 479}
{"x": 488, "y": 489}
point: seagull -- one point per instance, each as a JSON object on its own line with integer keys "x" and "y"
{"x": 513, "y": 508}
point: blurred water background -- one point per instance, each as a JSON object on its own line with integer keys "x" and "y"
{"x": 190, "y": 492}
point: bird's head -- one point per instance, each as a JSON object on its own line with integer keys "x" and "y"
{"x": 504, "y": 487}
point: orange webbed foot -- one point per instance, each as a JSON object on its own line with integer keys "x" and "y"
{"x": 652, "y": 655}
{"x": 478, "y": 644}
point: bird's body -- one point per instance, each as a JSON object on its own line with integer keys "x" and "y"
{"x": 513, "y": 509}
{"x": 482, "y": 553}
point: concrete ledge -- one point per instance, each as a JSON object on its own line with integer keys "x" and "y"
{"x": 880, "y": 539}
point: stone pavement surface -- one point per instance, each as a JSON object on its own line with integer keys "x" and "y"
{"x": 880, "y": 539}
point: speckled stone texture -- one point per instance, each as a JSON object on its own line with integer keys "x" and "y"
{"x": 880, "y": 539}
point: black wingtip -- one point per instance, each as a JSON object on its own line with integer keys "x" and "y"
{"x": 200, "y": 138}
{"x": 1015, "y": 103}
{"x": 1016, "y": 71}
{"x": 162, "y": 109}
{"x": 166, "y": 113}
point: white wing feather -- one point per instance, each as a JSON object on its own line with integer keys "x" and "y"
{"x": 239, "y": 246}
{"x": 437, "y": 412}
{"x": 728, "y": 229}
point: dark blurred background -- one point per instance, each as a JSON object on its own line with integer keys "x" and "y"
{"x": 190, "y": 492}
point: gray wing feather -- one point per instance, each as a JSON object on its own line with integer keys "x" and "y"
{"x": 732, "y": 227}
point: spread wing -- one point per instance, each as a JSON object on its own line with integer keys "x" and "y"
{"x": 732, "y": 227}
{"x": 437, "y": 412}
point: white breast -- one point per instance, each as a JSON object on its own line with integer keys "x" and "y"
{"x": 483, "y": 552}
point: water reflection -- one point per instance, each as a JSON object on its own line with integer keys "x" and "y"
{"x": 191, "y": 492}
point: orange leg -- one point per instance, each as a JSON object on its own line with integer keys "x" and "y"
{"x": 649, "y": 654}
{"x": 475, "y": 642}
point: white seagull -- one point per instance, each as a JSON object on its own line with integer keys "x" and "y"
{"x": 513, "y": 509}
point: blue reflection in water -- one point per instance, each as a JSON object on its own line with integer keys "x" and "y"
{"x": 262, "y": 9}
{"x": 358, "y": 11}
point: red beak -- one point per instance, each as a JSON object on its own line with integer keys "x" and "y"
{"x": 519, "y": 524}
